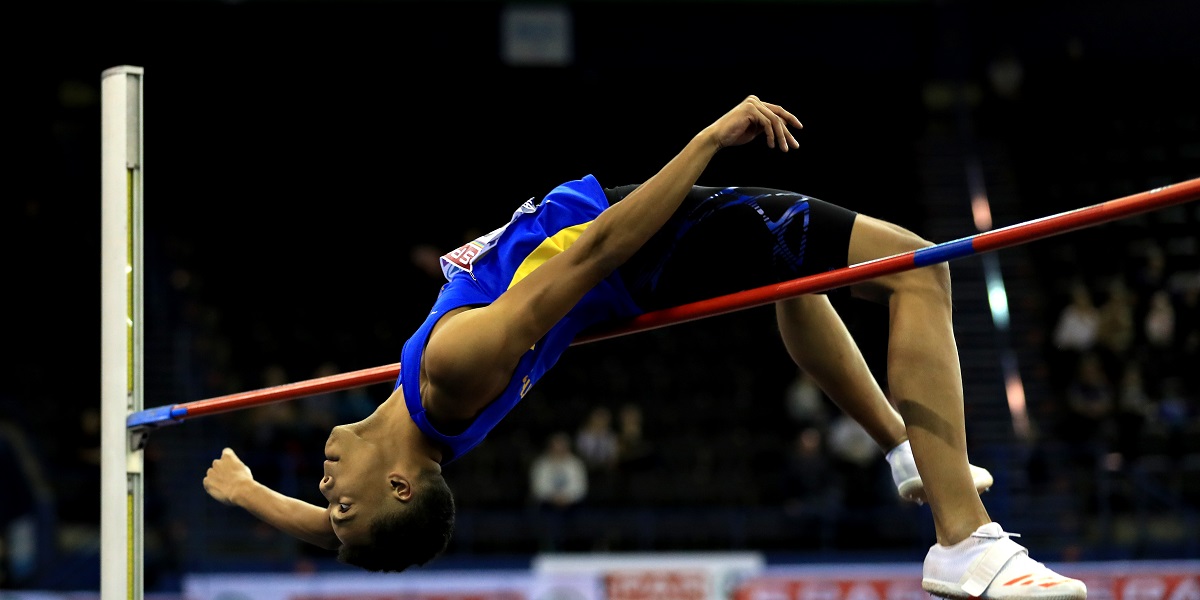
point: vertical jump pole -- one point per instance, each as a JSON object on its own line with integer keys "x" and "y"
{"x": 120, "y": 332}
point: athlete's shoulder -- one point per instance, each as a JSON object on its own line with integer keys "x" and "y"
{"x": 584, "y": 195}
{"x": 587, "y": 184}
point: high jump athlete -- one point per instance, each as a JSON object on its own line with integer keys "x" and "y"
{"x": 586, "y": 255}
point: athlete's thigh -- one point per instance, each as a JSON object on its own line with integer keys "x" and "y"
{"x": 724, "y": 240}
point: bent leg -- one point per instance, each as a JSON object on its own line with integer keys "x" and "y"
{"x": 819, "y": 343}
{"x": 923, "y": 374}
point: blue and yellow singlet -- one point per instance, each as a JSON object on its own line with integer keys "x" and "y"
{"x": 480, "y": 271}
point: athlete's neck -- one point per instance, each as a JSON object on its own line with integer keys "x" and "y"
{"x": 392, "y": 428}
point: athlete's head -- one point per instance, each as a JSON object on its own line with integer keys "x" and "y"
{"x": 389, "y": 513}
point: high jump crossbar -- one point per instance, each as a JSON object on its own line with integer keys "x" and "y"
{"x": 1013, "y": 235}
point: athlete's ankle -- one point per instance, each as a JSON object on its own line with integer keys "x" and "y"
{"x": 951, "y": 535}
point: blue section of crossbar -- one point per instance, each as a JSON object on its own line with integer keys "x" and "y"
{"x": 943, "y": 252}
{"x": 153, "y": 417}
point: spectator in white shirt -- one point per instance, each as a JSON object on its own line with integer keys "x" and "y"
{"x": 558, "y": 478}
{"x": 1078, "y": 323}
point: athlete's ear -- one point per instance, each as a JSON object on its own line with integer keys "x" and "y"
{"x": 402, "y": 488}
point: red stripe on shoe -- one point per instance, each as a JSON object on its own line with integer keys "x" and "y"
{"x": 1025, "y": 576}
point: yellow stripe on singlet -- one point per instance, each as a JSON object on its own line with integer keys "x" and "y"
{"x": 549, "y": 248}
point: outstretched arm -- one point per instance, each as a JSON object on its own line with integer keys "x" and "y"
{"x": 230, "y": 482}
{"x": 472, "y": 355}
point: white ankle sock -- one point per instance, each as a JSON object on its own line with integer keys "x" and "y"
{"x": 901, "y": 460}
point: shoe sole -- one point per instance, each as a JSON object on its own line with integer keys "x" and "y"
{"x": 913, "y": 489}
{"x": 951, "y": 591}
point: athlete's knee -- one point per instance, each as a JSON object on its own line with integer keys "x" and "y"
{"x": 874, "y": 238}
{"x": 933, "y": 280}
{"x": 930, "y": 280}
{"x": 939, "y": 274}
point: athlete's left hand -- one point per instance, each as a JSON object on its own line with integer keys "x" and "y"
{"x": 227, "y": 478}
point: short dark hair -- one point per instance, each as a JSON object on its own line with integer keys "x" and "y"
{"x": 407, "y": 535}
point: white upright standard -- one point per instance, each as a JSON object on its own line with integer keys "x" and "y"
{"x": 120, "y": 332}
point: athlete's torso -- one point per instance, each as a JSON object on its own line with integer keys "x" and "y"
{"x": 479, "y": 272}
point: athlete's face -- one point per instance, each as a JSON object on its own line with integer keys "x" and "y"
{"x": 357, "y": 483}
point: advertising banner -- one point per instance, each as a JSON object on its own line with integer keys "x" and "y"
{"x": 670, "y": 576}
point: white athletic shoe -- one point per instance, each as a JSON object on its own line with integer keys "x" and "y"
{"x": 908, "y": 481}
{"x": 990, "y": 566}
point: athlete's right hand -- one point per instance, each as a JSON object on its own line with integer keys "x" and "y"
{"x": 752, "y": 117}
{"x": 227, "y": 477}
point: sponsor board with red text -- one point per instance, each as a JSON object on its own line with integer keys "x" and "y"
{"x": 657, "y": 576}
{"x": 657, "y": 585}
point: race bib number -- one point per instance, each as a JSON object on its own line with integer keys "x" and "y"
{"x": 463, "y": 258}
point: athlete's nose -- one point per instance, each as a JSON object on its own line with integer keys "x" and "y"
{"x": 326, "y": 486}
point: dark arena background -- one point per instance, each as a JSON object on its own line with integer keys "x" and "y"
{"x": 306, "y": 162}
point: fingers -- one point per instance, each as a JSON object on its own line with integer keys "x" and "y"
{"x": 228, "y": 457}
{"x": 783, "y": 113}
{"x": 770, "y": 123}
{"x": 774, "y": 121}
{"x": 761, "y": 115}
{"x": 209, "y": 485}
{"x": 787, "y": 118}
{"x": 217, "y": 478}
